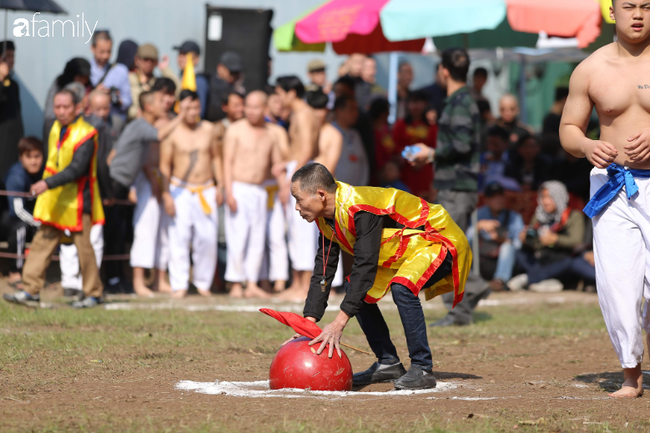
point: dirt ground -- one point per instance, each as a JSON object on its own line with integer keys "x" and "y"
{"x": 531, "y": 362}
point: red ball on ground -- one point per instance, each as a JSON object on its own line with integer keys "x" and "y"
{"x": 297, "y": 365}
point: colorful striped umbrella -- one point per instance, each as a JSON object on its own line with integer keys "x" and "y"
{"x": 400, "y": 25}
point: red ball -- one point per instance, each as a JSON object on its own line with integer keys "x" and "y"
{"x": 297, "y": 365}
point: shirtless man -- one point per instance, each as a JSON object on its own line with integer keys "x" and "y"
{"x": 189, "y": 164}
{"x": 330, "y": 140}
{"x": 251, "y": 147}
{"x": 614, "y": 79}
{"x": 303, "y": 139}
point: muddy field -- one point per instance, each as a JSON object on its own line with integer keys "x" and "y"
{"x": 531, "y": 362}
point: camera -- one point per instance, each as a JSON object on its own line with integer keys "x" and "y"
{"x": 115, "y": 97}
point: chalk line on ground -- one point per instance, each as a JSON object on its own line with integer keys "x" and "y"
{"x": 297, "y": 308}
{"x": 260, "y": 389}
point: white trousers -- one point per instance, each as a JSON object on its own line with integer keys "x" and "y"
{"x": 192, "y": 228}
{"x": 246, "y": 233}
{"x": 150, "y": 248}
{"x": 275, "y": 265}
{"x": 303, "y": 236}
{"x": 69, "y": 259}
{"x": 622, "y": 256}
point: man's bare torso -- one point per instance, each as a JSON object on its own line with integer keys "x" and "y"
{"x": 330, "y": 142}
{"x": 192, "y": 153}
{"x": 620, "y": 89}
{"x": 253, "y": 151}
{"x": 295, "y": 132}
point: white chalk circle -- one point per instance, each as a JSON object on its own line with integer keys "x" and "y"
{"x": 260, "y": 389}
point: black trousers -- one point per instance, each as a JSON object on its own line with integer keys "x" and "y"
{"x": 115, "y": 228}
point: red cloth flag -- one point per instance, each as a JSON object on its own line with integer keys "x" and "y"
{"x": 299, "y": 324}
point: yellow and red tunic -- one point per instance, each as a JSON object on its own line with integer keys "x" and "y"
{"x": 409, "y": 255}
{"x": 62, "y": 207}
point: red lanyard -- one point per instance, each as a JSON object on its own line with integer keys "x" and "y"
{"x": 323, "y": 283}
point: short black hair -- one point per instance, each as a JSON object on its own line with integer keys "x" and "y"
{"x": 347, "y": 81}
{"x": 317, "y": 99}
{"x": 10, "y": 47}
{"x": 269, "y": 90}
{"x": 456, "y": 61}
{"x": 27, "y": 144}
{"x": 187, "y": 93}
{"x": 73, "y": 95}
{"x": 314, "y": 176}
{"x": 378, "y": 107}
{"x": 497, "y": 131}
{"x": 483, "y": 106}
{"x": 226, "y": 97}
{"x": 101, "y": 35}
{"x": 145, "y": 98}
{"x": 561, "y": 93}
{"x": 418, "y": 96}
{"x": 480, "y": 72}
{"x": 342, "y": 102}
{"x": 524, "y": 138}
{"x": 165, "y": 85}
{"x": 289, "y": 83}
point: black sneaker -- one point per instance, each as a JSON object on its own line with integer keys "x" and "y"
{"x": 74, "y": 294}
{"x": 448, "y": 321}
{"x": 416, "y": 378}
{"x": 87, "y": 302}
{"x": 23, "y": 298}
{"x": 377, "y": 373}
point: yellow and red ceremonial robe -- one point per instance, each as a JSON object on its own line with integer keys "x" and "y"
{"x": 62, "y": 207}
{"x": 410, "y": 255}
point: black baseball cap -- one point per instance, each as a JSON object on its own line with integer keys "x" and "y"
{"x": 188, "y": 47}
{"x": 232, "y": 61}
{"x": 493, "y": 189}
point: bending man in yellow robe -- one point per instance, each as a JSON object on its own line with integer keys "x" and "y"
{"x": 400, "y": 243}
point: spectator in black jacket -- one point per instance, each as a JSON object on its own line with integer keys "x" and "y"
{"x": 19, "y": 222}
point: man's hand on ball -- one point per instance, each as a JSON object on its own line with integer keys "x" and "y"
{"x": 332, "y": 335}
{"x": 293, "y": 337}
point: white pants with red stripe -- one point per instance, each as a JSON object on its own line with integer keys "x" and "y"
{"x": 192, "y": 229}
{"x": 622, "y": 256}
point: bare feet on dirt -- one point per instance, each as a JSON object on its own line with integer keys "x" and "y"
{"x": 633, "y": 385}
{"x": 162, "y": 285}
{"x": 293, "y": 294}
{"x": 142, "y": 290}
{"x": 255, "y": 291}
{"x": 179, "y": 294}
{"x": 205, "y": 293}
{"x": 236, "y": 291}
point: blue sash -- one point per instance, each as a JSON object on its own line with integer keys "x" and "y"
{"x": 618, "y": 177}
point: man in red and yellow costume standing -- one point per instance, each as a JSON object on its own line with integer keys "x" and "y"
{"x": 400, "y": 243}
{"x": 68, "y": 203}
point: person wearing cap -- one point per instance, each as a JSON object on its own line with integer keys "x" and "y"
{"x": 317, "y": 76}
{"x": 142, "y": 79}
{"x": 226, "y": 80}
{"x": 11, "y": 122}
{"x": 109, "y": 78}
{"x": 202, "y": 85}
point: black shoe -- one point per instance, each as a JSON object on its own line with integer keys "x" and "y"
{"x": 377, "y": 373}
{"x": 23, "y": 298}
{"x": 74, "y": 294}
{"x": 448, "y": 321}
{"x": 121, "y": 287}
{"x": 416, "y": 378}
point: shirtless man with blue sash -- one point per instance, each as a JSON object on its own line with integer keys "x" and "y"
{"x": 616, "y": 82}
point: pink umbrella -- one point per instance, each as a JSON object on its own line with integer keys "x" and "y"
{"x": 574, "y": 18}
{"x": 352, "y": 26}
